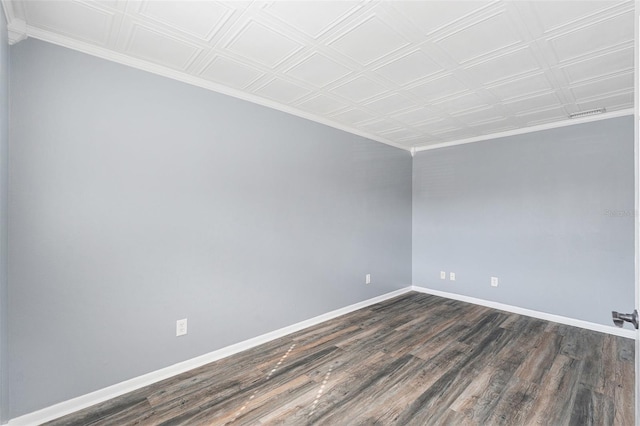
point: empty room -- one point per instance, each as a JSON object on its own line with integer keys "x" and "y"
{"x": 318, "y": 212}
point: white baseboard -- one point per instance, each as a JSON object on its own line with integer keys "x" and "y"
{"x": 84, "y": 401}
{"x": 631, "y": 334}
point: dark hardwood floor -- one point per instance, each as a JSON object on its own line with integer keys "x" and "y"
{"x": 413, "y": 360}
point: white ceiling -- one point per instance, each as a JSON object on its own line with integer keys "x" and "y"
{"x": 407, "y": 73}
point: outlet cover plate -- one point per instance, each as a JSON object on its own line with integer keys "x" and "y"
{"x": 181, "y": 327}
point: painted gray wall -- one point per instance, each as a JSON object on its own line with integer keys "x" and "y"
{"x": 136, "y": 200}
{"x": 550, "y": 213}
{"x": 4, "y": 142}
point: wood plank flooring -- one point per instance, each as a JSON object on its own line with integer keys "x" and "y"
{"x": 413, "y": 360}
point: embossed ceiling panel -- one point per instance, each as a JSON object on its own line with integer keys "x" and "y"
{"x": 407, "y": 73}
{"x": 414, "y": 66}
{"x": 92, "y": 24}
{"x": 189, "y": 17}
{"x": 281, "y": 91}
{"x": 318, "y": 70}
{"x": 609, "y": 63}
{"x": 311, "y": 18}
{"x": 489, "y": 35}
{"x": 522, "y": 87}
{"x": 229, "y": 72}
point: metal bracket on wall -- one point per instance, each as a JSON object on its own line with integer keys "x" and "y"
{"x": 619, "y": 319}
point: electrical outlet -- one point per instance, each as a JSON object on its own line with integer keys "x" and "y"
{"x": 181, "y": 327}
{"x": 443, "y": 275}
{"x": 367, "y": 279}
{"x": 452, "y": 276}
{"x": 494, "y": 281}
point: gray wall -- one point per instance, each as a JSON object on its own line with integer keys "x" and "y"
{"x": 135, "y": 200}
{"x": 549, "y": 213}
{"x": 4, "y": 142}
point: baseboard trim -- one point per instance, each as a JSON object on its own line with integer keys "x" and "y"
{"x": 101, "y": 395}
{"x": 84, "y": 401}
{"x": 631, "y": 334}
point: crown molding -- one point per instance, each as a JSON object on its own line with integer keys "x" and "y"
{"x": 17, "y": 30}
{"x": 143, "y": 65}
{"x": 531, "y": 129}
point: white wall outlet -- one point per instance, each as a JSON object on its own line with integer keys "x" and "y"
{"x": 443, "y": 275}
{"x": 367, "y": 279}
{"x": 181, "y": 327}
{"x": 452, "y": 276}
{"x": 494, "y": 281}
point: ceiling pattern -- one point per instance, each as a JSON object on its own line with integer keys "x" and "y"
{"x": 409, "y": 73}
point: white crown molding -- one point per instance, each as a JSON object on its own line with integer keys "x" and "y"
{"x": 17, "y": 30}
{"x": 110, "y": 55}
{"x": 84, "y": 401}
{"x": 621, "y": 332}
{"x": 524, "y": 130}
{"x": 203, "y": 42}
